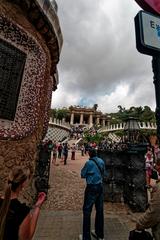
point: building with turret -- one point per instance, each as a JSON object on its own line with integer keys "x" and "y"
{"x": 30, "y": 46}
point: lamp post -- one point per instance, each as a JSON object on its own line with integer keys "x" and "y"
{"x": 131, "y": 127}
{"x": 156, "y": 81}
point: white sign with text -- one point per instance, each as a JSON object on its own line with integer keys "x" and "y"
{"x": 151, "y": 30}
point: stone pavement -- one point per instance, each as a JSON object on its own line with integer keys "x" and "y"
{"x": 67, "y": 225}
{"x": 61, "y": 217}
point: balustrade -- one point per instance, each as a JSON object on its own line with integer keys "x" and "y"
{"x": 120, "y": 126}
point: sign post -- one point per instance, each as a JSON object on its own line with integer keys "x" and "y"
{"x": 147, "y": 26}
{"x": 156, "y": 81}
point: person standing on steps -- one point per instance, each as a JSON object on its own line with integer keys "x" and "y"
{"x": 93, "y": 172}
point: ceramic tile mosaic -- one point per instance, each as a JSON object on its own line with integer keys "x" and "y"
{"x": 47, "y": 106}
{"x": 32, "y": 82}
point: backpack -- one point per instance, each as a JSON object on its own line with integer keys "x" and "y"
{"x": 140, "y": 235}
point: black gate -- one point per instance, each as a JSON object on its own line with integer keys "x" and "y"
{"x": 125, "y": 178}
{"x": 42, "y": 170}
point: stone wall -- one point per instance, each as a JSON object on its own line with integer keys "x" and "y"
{"x": 19, "y": 138}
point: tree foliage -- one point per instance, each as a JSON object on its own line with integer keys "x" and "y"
{"x": 143, "y": 114}
{"x": 58, "y": 113}
{"x": 95, "y": 106}
{"x": 89, "y": 137}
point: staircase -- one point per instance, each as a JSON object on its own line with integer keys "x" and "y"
{"x": 114, "y": 137}
{"x": 72, "y": 141}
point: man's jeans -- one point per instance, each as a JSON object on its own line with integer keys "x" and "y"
{"x": 93, "y": 195}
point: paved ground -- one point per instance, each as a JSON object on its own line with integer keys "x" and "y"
{"x": 61, "y": 217}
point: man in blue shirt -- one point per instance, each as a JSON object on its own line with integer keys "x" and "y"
{"x": 93, "y": 172}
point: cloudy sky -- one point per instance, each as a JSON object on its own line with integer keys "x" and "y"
{"x": 99, "y": 61}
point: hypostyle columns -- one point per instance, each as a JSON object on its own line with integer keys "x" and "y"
{"x": 91, "y": 120}
{"x": 103, "y": 122}
{"x": 81, "y": 118}
{"x": 90, "y": 117}
{"x": 72, "y": 118}
{"x": 97, "y": 120}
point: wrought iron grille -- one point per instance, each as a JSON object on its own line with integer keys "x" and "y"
{"x": 125, "y": 178}
{"x": 43, "y": 168}
{"x": 12, "y": 62}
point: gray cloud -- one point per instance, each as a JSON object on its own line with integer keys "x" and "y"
{"x": 99, "y": 55}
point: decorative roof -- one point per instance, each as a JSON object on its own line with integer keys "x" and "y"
{"x": 43, "y": 16}
{"x": 86, "y": 109}
{"x": 50, "y": 11}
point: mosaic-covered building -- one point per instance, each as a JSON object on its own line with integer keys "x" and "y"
{"x": 30, "y": 45}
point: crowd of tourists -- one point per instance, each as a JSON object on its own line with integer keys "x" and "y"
{"x": 18, "y": 221}
{"x": 59, "y": 151}
{"x": 76, "y": 132}
{"x": 151, "y": 157}
{"x": 109, "y": 145}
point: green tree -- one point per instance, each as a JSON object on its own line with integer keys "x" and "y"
{"x": 148, "y": 115}
{"x": 61, "y": 113}
{"x": 121, "y": 109}
{"x": 53, "y": 113}
{"x": 143, "y": 114}
{"x": 88, "y": 137}
{"x": 95, "y": 106}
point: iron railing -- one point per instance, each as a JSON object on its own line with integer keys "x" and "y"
{"x": 125, "y": 178}
{"x": 42, "y": 170}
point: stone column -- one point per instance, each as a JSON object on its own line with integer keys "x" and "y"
{"x": 50, "y": 119}
{"x": 81, "y": 118}
{"x": 108, "y": 123}
{"x": 63, "y": 120}
{"x": 103, "y": 122}
{"x": 72, "y": 118}
{"x": 90, "y": 120}
{"x": 97, "y": 120}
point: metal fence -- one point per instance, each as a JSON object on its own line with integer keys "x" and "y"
{"x": 125, "y": 178}
{"x": 42, "y": 169}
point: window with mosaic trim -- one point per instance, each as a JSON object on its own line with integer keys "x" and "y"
{"x": 12, "y": 62}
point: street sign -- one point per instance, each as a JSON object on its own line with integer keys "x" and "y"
{"x": 147, "y": 28}
{"x": 152, "y": 6}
